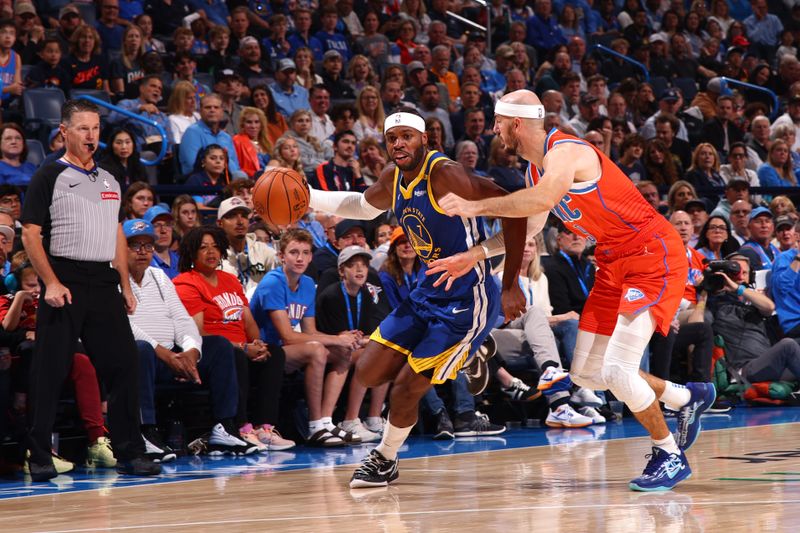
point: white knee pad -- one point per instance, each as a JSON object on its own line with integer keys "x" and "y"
{"x": 587, "y": 360}
{"x": 624, "y": 354}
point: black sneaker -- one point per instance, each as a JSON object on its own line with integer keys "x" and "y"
{"x": 375, "y": 471}
{"x": 471, "y": 424}
{"x": 520, "y": 392}
{"x": 444, "y": 427}
{"x": 154, "y": 448}
{"x": 141, "y": 466}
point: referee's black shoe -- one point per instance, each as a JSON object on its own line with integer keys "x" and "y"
{"x": 140, "y": 466}
{"x": 41, "y": 473}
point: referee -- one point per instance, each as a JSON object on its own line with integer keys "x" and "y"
{"x": 73, "y": 240}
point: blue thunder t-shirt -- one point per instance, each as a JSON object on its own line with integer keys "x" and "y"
{"x": 273, "y": 294}
{"x": 434, "y": 235}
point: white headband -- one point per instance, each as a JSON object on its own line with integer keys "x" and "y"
{"x": 404, "y": 119}
{"x": 519, "y": 110}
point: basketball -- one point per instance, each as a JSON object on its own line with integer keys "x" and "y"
{"x": 280, "y": 196}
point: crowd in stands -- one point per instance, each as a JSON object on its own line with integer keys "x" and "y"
{"x": 675, "y": 96}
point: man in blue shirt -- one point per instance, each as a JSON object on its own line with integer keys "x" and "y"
{"x": 208, "y": 130}
{"x": 150, "y": 88}
{"x": 330, "y": 39}
{"x": 543, "y": 31}
{"x": 785, "y": 285}
{"x": 216, "y": 10}
{"x": 109, "y": 28}
{"x": 763, "y": 30}
{"x": 283, "y": 301}
{"x": 289, "y": 96}
{"x": 302, "y": 34}
{"x": 164, "y": 258}
{"x": 759, "y": 248}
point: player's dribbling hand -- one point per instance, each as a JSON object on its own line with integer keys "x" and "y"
{"x": 454, "y": 205}
{"x": 57, "y": 295}
{"x": 452, "y": 267}
{"x": 513, "y": 302}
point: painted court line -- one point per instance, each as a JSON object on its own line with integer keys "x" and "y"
{"x": 418, "y": 513}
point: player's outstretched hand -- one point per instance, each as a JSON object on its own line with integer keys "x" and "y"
{"x": 513, "y": 302}
{"x": 452, "y": 267}
{"x": 454, "y": 205}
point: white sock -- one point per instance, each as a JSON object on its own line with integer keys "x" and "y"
{"x": 668, "y": 444}
{"x": 315, "y": 425}
{"x": 675, "y": 396}
{"x": 393, "y": 438}
{"x": 327, "y": 422}
{"x": 373, "y": 420}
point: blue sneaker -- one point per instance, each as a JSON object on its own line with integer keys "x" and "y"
{"x": 664, "y": 470}
{"x": 703, "y": 396}
{"x": 553, "y": 380}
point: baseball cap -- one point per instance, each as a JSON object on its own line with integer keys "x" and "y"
{"x": 352, "y": 251}
{"x": 740, "y": 41}
{"x": 696, "y": 202}
{"x": 8, "y": 232}
{"x": 138, "y": 227}
{"x": 476, "y": 36}
{"x": 658, "y": 38}
{"x": 247, "y": 40}
{"x": 346, "y": 225}
{"x": 68, "y": 9}
{"x": 759, "y": 211}
{"x": 24, "y": 7}
{"x": 331, "y": 54}
{"x": 156, "y": 211}
{"x": 588, "y": 99}
{"x": 734, "y": 50}
{"x": 414, "y": 66}
{"x": 224, "y": 74}
{"x": 286, "y": 64}
{"x": 504, "y": 51}
{"x": 716, "y": 85}
{"x": 397, "y": 234}
{"x": 231, "y": 204}
{"x": 671, "y": 95}
{"x": 783, "y": 220}
{"x": 733, "y": 182}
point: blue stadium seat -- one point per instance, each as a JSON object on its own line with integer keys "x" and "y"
{"x": 42, "y": 107}
{"x": 35, "y": 152}
{"x": 688, "y": 88}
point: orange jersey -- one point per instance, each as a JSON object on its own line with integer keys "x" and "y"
{"x": 696, "y": 266}
{"x": 608, "y": 210}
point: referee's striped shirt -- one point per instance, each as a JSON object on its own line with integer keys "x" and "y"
{"x": 77, "y": 209}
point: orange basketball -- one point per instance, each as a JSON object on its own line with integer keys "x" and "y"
{"x": 280, "y": 196}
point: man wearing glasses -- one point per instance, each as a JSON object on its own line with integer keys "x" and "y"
{"x": 740, "y": 220}
{"x": 164, "y": 258}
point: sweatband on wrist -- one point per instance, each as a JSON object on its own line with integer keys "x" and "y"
{"x": 518, "y": 110}
{"x": 494, "y": 245}
{"x": 740, "y": 290}
{"x": 404, "y": 119}
{"x": 345, "y": 204}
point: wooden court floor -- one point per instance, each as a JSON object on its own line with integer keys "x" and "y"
{"x": 744, "y": 479}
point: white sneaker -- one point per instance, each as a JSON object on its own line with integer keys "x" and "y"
{"x": 357, "y": 428}
{"x": 375, "y": 424}
{"x": 220, "y": 442}
{"x": 592, "y": 413}
{"x": 567, "y": 417}
{"x": 587, "y": 397}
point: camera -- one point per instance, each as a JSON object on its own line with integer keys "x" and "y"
{"x": 713, "y": 282}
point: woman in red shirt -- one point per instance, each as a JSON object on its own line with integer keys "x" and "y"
{"x": 216, "y": 301}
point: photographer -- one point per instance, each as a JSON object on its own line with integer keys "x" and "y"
{"x": 739, "y": 316}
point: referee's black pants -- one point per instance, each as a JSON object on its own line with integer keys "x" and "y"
{"x": 97, "y": 317}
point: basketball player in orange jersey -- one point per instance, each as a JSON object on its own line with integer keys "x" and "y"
{"x": 434, "y": 332}
{"x": 640, "y": 278}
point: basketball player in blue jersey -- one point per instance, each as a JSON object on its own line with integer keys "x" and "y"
{"x": 435, "y": 332}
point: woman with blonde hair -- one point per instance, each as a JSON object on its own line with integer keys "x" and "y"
{"x": 370, "y": 114}
{"x": 360, "y": 73}
{"x": 704, "y": 171}
{"x": 777, "y": 171}
{"x": 304, "y": 63}
{"x": 182, "y": 109}
{"x": 787, "y": 134}
{"x": 286, "y": 154}
{"x": 184, "y": 213}
{"x": 128, "y": 70}
{"x": 783, "y": 205}
{"x": 251, "y": 143}
{"x": 312, "y": 151}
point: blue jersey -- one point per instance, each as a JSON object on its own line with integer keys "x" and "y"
{"x": 434, "y": 235}
{"x": 7, "y": 73}
{"x": 273, "y": 294}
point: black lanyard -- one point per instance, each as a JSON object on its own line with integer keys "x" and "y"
{"x": 578, "y": 272}
{"x": 349, "y": 311}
